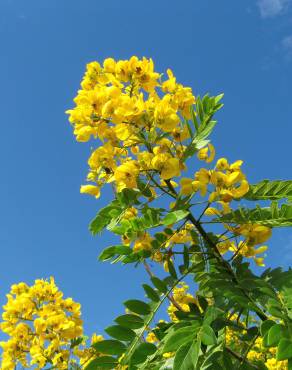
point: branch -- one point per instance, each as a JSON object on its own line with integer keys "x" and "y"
{"x": 169, "y": 296}
{"x": 218, "y": 255}
{"x": 240, "y": 358}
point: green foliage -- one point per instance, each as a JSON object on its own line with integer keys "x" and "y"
{"x": 186, "y": 356}
{"x": 207, "y": 335}
{"x": 120, "y": 332}
{"x": 130, "y": 321}
{"x": 110, "y": 347}
{"x": 173, "y": 217}
{"x": 270, "y": 190}
{"x": 179, "y": 337}
{"x": 151, "y": 293}
{"x": 203, "y": 123}
{"x": 139, "y": 307}
{"x": 104, "y": 362}
{"x": 105, "y": 216}
{"x": 273, "y": 216}
{"x": 113, "y": 251}
{"x": 284, "y": 349}
{"x": 230, "y": 297}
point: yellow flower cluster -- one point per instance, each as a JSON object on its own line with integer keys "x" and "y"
{"x": 253, "y": 234}
{"x": 227, "y": 181}
{"x": 183, "y": 299}
{"x": 182, "y": 236}
{"x": 258, "y": 352}
{"x": 40, "y": 324}
{"x": 140, "y": 120}
{"x": 143, "y": 241}
{"x": 121, "y": 103}
{"x": 268, "y": 355}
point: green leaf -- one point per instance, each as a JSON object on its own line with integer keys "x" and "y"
{"x": 76, "y": 341}
{"x": 207, "y": 335}
{"x": 186, "y": 257}
{"x": 203, "y": 303}
{"x": 130, "y": 321}
{"x": 275, "y": 334}
{"x": 204, "y": 132}
{"x": 104, "y": 362}
{"x": 142, "y": 351}
{"x": 263, "y": 216}
{"x": 110, "y": 347}
{"x": 212, "y": 357}
{"x": 211, "y": 314}
{"x": 144, "y": 188}
{"x": 270, "y": 190}
{"x": 159, "y": 284}
{"x": 175, "y": 216}
{"x": 114, "y": 250}
{"x": 274, "y": 311}
{"x": 284, "y": 350}
{"x": 120, "y": 332}
{"x": 218, "y": 98}
{"x": 151, "y": 293}
{"x": 171, "y": 269}
{"x": 194, "y": 118}
{"x": 266, "y": 326}
{"x": 227, "y": 360}
{"x": 128, "y": 197}
{"x": 138, "y": 306}
{"x": 179, "y": 337}
{"x": 103, "y": 217}
{"x": 186, "y": 356}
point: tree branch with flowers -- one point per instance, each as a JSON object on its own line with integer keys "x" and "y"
{"x": 177, "y": 212}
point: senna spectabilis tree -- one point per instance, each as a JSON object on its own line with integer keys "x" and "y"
{"x": 176, "y": 208}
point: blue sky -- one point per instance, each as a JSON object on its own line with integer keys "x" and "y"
{"x": 243, "y": 49}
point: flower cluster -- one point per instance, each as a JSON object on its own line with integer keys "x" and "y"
{"x": 122, "y": 103}
{"x": 268, "y": 355}
{"x": 258, "y": 352}
{"x": 141, "y": 121}
{"x": 253, "y": 235}
{"x": 42, "y": 327}
{"x": 182, "y": 300}
{"x": 227, "y": 182}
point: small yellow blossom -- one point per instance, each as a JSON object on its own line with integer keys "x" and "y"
{"x": 90, "y": 189}
{"x": 207, "y": 154}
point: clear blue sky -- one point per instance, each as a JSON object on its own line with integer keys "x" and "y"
{"x": 241, "y": 48}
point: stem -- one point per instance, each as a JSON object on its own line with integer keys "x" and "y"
{"x": 170, "y": 297}
{"x": 240, "y": 358}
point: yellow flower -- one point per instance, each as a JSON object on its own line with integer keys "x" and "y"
{"x": 186, "y": 186}
{"x": 40, "y": 324}
{"x": 170, "y": 84}
{"x": 96, "y": 338}
{"x": 143, "y": 243}
{"x": 222, "y": 164}
{"x": 126, "y": 175}
{"x": 207, "y": 154}
{"x": 151, "y": 338}
{"x": 241, "y": 190}
{"x": 211, "y": 211}
{"x": 181, "y": 134}
{"x": 236, "y": 165}
{"x": 203, "y": 176}
{"x": 254, "y": 233}
{"x": 233, "y": 178}
{"x": 166, "y": 165}
{"x": 109, "y": 65}
{"x": 83, "y": 133}
{"x": 90, "y": 189}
